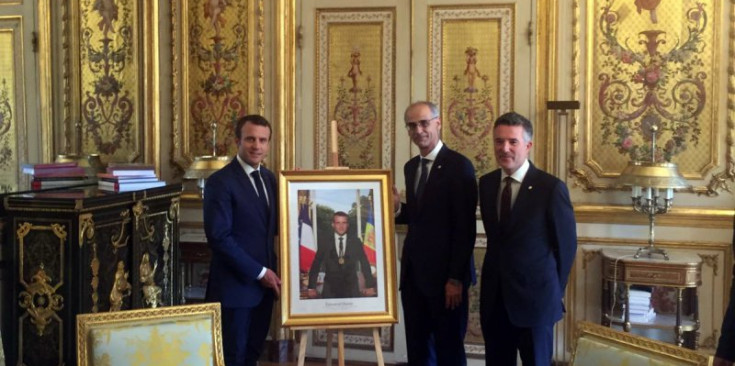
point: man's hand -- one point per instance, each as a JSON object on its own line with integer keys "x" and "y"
{"x": 722, "y": 362}
{"x": 453, "y": 294}
{"x": 369, "y": 292}
{"x": 271, "y": 280}
{"x": 311, "y": 293}
{"x": 396, "y": 199}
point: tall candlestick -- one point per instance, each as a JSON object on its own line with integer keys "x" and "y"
{"x": 333, "y": 135}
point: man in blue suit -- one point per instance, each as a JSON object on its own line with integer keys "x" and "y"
{"x": 240, "y": 211}
{"x": 436, "y": 264}
{"x": 532, "y": 241}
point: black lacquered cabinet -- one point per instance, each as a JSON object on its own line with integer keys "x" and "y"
{"x": 83, "y": 251}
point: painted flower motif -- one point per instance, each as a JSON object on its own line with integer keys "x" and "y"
{"x": 217, "y": 85}
{"x": 627, "y": 143}
{"x": 107, "y": 86}
{"x": 610, "y": 18}
{"x": 652, "y": 75}
{"x": 695, "y": 15}
{"x": 626, "y": 57}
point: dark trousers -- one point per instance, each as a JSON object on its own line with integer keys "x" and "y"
{"x": 503, "y": 339}
{"x": 244, "y": 330}
{"x": 434, "y": 334}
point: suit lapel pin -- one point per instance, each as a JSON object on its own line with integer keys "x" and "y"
{"x": 439, "y": 167}
{"x": 530, "y": 188}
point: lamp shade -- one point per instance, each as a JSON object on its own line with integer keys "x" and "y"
{"x": 203, "y": 166}
{"x": 654, "y": 175}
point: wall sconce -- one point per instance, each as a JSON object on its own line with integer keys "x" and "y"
{"x": 203, "y": 166}
{"x": 649, "y": 181}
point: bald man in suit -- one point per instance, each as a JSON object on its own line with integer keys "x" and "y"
{"x": 436, "y": 263}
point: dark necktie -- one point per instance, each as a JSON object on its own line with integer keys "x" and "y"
{"x": 341, "y": 247}
{"x": 259, "y": 186}
{"x": 422, "y": 178}
{"x": 505, "y": 200}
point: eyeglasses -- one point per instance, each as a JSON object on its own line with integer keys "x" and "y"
{"x": 424, "y": 123}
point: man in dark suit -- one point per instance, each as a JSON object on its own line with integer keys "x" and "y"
{"x": 436, "y": 264}
{"x": 340, "y": 254}
{"x": 240, "y": 211}
{"x": 532, "y": 242}
{"x": 725, "y": 355}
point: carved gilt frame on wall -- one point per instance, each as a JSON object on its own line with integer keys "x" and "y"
{"x": 659, "y": 67}
{"x": 218, "y": 74}
{"x": 111, "y": 100}
{"x": 13, "y": 130}
{"x": 471, "y": 74}
{"x": 355, "y": 73}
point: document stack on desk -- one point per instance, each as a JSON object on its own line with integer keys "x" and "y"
{"x": 128, "y": 177}
{"x": 641, "y": 310}
{"x": 56, "y": 175}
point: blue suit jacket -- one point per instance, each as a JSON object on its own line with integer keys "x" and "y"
{"x": 240, "y": 233}
{"x": 441, "y": 233}
{"x": 726, "y": 345}
{"x": 528, "y": 258}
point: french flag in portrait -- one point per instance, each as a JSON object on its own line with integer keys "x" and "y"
{"x": 307, "y": 246}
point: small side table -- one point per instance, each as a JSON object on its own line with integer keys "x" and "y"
{"x": 682, "y": 271}
{"x": 195, "y": 258}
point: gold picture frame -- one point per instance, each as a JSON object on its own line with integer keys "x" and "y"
{"x": 190, "y": 334}
{"x": 308, "y": 202}
{"x": 596, "y": 344}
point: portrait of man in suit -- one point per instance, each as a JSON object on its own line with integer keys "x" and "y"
{"x": 240, "y": 211}
{"x": 436, "y": 263}
{"x": 532, "y": 241}
{"x": 341, "y": 257}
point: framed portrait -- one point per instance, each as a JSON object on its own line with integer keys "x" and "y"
{"x": 337, "y": 248}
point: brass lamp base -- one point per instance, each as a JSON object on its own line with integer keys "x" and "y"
{"x": 650, "y": 251}
{"x": 90, "y": 162}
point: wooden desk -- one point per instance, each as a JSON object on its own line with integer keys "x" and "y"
{"x": 83, "y": 251}
{"x": 682, "y": 272}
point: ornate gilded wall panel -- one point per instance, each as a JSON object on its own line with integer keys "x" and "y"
{"x": 471, "y": 75}
{"x": 355, "y": 69}
{"x": 13, "y": 149}
{"x": 655, "y": 64}
{"x": 217, "y": 73}
{"x": 111, "y": 97}
{"x": 474, "y": 343}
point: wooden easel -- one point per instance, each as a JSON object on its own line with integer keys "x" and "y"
{"x": 340, "y": 342}
{"x": 333, "y": 164}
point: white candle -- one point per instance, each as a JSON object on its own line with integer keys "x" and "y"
{"x": 669, "y": 193}
{"x": 333, "y": 135}
{"x": 636, "y": 192}
{"x": 648, "y": 193}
